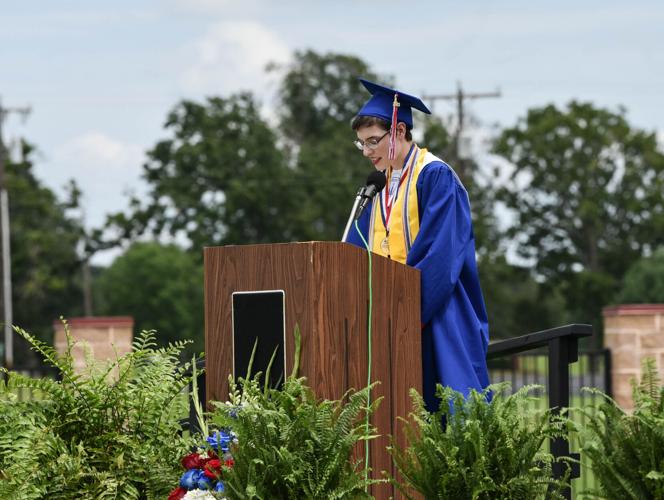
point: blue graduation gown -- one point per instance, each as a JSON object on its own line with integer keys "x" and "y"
{"x": 455, "y": 335}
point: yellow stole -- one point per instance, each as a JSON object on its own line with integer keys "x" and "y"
{"x": 404, "y": 223}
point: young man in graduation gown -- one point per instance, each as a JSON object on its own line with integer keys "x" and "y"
{"x": 422, "y": 218}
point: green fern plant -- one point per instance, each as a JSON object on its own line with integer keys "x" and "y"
{"x": 109, "y": 432}
{"x": 289, "y": 444}
{"x": 627, "y": 450}
{"x": 479, "y": 447}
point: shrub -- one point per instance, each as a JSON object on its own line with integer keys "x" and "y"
{"x": 104, "y": 433}
{"x": 644, "y": 281}
{"x": 479, "y": 447}
{"x": 627, "y": 450}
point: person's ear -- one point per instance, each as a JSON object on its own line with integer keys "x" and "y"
{"x": 402, "y": 129}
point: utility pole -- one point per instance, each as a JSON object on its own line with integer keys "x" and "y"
{"x": 4, "y": 230}
{"x": 460, "y": 97}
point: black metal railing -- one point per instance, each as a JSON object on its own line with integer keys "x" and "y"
{"x": 593, "y": 369}
{"x": 562, "y": 346}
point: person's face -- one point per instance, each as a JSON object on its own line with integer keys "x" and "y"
{"x": 376, "y": 144}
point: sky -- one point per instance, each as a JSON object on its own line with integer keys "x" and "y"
{"x": 101, "y": 76}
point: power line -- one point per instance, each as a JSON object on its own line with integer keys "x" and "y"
{"x": 4, "y": 230}
{"x": 460, "y": 96}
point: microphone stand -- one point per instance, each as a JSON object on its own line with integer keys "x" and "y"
{"x": 349, "y": 224}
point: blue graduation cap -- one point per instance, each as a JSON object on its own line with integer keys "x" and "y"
{"x": 381, "y": 104}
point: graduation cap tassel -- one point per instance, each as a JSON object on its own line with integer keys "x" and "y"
{"x": 393, "y": 129}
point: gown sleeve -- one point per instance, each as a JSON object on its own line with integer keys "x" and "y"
{"x": 445, "y": 231}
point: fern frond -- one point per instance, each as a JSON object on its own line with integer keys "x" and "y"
{"x": 624, "y": 448}
{"x": 485, "y": 445}
{"x": 290, "y": 444}
{"x": 96, "y": 436}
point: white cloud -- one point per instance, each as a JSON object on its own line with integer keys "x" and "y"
{"x": 97, "y": 148}
{"x": 205, "y": 6}
{"x": 104, "y": 168}
{"x": 232, "y": 56}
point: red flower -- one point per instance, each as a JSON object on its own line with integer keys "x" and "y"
{"x": 177, "y": 494}
{"x": 198, "y": 461}
{"x": 229, "y": 463}
{"x": 193, "y": 461}
{"x": 212, "y": 468}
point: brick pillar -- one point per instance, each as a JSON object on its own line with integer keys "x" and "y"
{"x": 633, "y": 332}
{"x": 102, "y": 336}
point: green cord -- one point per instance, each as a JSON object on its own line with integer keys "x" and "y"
{"x": 369, "y": 349}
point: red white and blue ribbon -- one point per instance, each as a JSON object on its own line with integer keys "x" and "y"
{"x": 391, "y": 154}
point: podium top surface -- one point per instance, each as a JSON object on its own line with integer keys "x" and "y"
{"x": 312, "y": 246}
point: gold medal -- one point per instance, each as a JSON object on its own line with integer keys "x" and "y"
{"x": 385, "y": 246}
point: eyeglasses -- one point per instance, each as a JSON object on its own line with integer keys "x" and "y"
{"x": 371, "y": 142}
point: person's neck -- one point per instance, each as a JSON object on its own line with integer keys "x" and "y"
{"x": 398, "y": 162}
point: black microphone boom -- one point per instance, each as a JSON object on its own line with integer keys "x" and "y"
{"x": 375, "y": 182}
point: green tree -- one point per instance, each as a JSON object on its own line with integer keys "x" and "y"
{"x": 516, "y": 303}
{"x": 161, "y": 287}
{"x": 586, "y": 192}
{"x": 320, "y": 93}
{"x": 219, "y": 179}
{"x": 644, "y": 281}
{"x": 318, "y": 97}
{"x": 46, "y": 269}
{"x": 226, "y": 177}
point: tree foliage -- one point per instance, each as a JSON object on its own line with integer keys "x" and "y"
{"x": 318, "y": 96}
{"x": 586, "y": 189}
{"x": 586, "y": 194}
{"x": 644, "y": 281}
{"x": 161, "y": 287}
{"x": 516, "y": 303}
{"x": 319, "y": 93}
{"x": 226, "y": 176}
{"x": 219, "y": 179}
{"x": 45, "y": 265}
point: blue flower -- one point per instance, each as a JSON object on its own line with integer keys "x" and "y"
{"x": 220, "y": 486}
{"x": 204, "y": 483}
{"x": 190, "y": 479}
{"x": 220, "y": 441}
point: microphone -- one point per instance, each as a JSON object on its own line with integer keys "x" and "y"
{"x": 375, "y": 183}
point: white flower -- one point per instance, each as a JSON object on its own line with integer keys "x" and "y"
{"x": 198, "y": 495}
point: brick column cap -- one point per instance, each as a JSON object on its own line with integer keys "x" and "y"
{"x": 98, "y": 322}
{"x": 633, "y": 309}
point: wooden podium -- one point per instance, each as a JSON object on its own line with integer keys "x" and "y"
{"x": 326, "y": 294}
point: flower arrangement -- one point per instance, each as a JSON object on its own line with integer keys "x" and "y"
{"x": 205, "y": 468}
